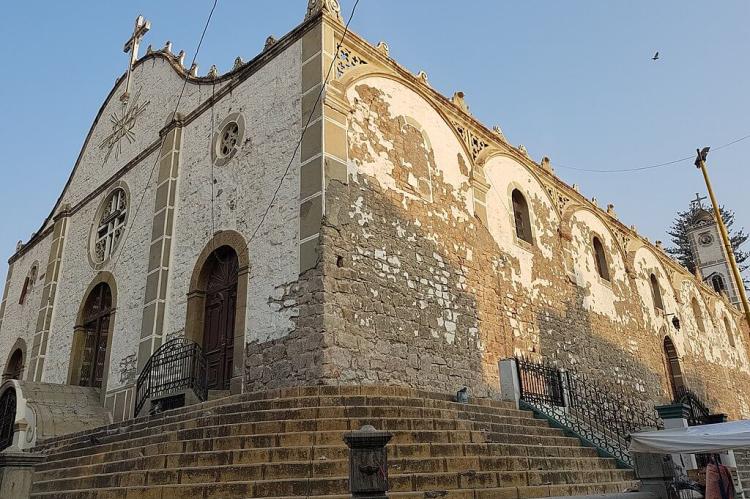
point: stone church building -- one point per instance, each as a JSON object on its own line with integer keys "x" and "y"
{"x": 398, "y": 242}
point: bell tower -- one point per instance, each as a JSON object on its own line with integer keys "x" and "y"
{"x": 709, "y": 254}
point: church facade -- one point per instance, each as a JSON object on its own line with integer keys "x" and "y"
{"x": 398, "y": 242}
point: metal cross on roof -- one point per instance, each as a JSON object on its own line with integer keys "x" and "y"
{"x": 141, "y": 28}
{"x": 697, "y": 203}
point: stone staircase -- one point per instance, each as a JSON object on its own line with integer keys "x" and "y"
{"x": 742, "y": 459}
{"x": 288, "y": 443}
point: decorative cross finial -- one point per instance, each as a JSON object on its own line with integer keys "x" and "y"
{"x": 327, "y": 6}
{"x": 141, "y": 28}
{"x": 696, "y": 204}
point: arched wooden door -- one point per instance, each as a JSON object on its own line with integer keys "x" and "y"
{"x": 674, "y": 372}
{"x": 97, "y": 314}
{"x": 219, "y": 317}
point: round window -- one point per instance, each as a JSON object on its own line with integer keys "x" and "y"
{"x": 109, "y": 225}
{"x": 229, "y": 138}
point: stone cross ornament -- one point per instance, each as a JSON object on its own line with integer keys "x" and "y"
{"x": 141, "y": 28}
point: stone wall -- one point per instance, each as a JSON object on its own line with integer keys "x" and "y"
{"x": 420, "y": 290}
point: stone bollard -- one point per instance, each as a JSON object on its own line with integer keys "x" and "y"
{"x": 16, "y": 469}
{"x": 368, "y": 462}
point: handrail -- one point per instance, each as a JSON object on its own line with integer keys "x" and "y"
{"x": 599, "y": 415}
{"x": 176, "y": 365}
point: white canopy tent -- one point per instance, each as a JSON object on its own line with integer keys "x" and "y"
{"x": 693, "y": 439}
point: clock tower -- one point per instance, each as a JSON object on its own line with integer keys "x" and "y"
{"x": 708, "y": 251}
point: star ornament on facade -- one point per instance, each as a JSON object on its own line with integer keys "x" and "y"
{"x": 122, "y": 126}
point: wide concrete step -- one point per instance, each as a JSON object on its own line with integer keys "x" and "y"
{"x": 330, "y": 478}
{"x": 304, "y": 464}
{"x": 328, "y": 407}
{"x": 235, "y": 490}
{"x": 243, "y": 424}
{"x": 134, "y": 458}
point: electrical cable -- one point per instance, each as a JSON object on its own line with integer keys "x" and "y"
{"x": 651, "y": 167}
{"x": 307, "y": 124}
{"x": 158, "y": 151}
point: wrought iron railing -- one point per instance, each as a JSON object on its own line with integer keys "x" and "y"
{"x": 698, "y": 413}
{"x": 177, "y": 365}
{"x": 599, "y": 415}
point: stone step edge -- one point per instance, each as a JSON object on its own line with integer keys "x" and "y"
{"x": 340, "y": 477}
{"x": 126, "y": 436}
{"x": 324, "y": 447}
{"x": 501, "y": 490}
{"x": 198, "y": 408}
{"x": 472, "y": 434}
{"x": 104, "y": 431}
{"x": 394, "y": 460}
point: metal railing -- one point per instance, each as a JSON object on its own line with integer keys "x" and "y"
{"x": 599, "y": 415}
{"x": 177, "y": 365}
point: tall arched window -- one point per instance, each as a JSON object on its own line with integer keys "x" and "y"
{"x": 718, "y": 283}
{"x": 656, "y": 293}
{"x": 28, "y": 283}
{"x": 698, "y": 315}
{"x": 601, "y": 259}
{"x": 730, "y": 334}
{"x": 521, "y": 216}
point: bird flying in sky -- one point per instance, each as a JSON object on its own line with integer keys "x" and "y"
{"x": 656, "y": 56}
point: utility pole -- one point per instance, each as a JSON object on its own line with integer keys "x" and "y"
{"x": 700, "y": 162}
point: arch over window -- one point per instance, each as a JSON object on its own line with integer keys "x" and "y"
{"x": 656, "y": 293}
{"x": 14, "y": 368}
{"x": 601, "y": 259}
{"x": 728, "y": 328}
{"x": 698, "y": 314}
{"x": 521, "y": 216}
{"x": 674, "y": 371}
{"x": 718, "y": 283}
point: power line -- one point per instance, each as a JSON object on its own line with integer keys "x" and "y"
{"x": 161, "y": 144}
{"x": 307, "y": 124}
{"x": 651, "y": 167}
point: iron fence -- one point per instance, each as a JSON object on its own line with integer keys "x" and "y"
{"x": 177, "y": 365}
{"x": 598, "y": 414}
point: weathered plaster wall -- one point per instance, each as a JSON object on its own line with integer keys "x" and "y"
{"x": 420, "y": 292}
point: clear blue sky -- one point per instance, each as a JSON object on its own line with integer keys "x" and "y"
{"x": 572, "y": 80}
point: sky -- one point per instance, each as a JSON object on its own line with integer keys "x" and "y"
{"x": 571, "y": 80}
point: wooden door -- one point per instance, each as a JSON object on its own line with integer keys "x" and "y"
{"x": 97, "y": 315}
{"x": 218, "y": 325}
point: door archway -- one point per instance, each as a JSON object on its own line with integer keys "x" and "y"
{"x": 93, "y": 336}
{"x": 674, "y": 371}
{"x": 219, "y": 317}
{"x": 14, "y": 370}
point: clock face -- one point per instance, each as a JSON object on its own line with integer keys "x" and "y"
{"x": 705, "y": 239}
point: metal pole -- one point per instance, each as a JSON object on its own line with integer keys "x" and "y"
{"x": 700, "y": 162}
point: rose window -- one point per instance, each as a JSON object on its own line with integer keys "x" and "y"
{"x": 111, "y": 225}
{"x": 230, "y": 136}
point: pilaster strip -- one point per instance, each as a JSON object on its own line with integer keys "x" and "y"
{"x": 44, "y": 318}
{"x": 315, "y": 63}
{"x": 157, "y": 277}
{"x": 5, "y": 294}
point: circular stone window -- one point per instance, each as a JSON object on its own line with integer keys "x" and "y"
{"x": 229, "y": 139}
{"x": 108, "y": 226}
{"x": 706, "y": 239}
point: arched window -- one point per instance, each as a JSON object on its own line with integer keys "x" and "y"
{"x": 601, "y": 259}
{"x": 698, "y": 315}
{"x": 656, "y": 292}
{"x": 521, "y": 216}
{"x": 718, "y": 283}
{"x": 14, "y": 369}
{"x": 730, "y": 334}
{"x": 28, "y": 283}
